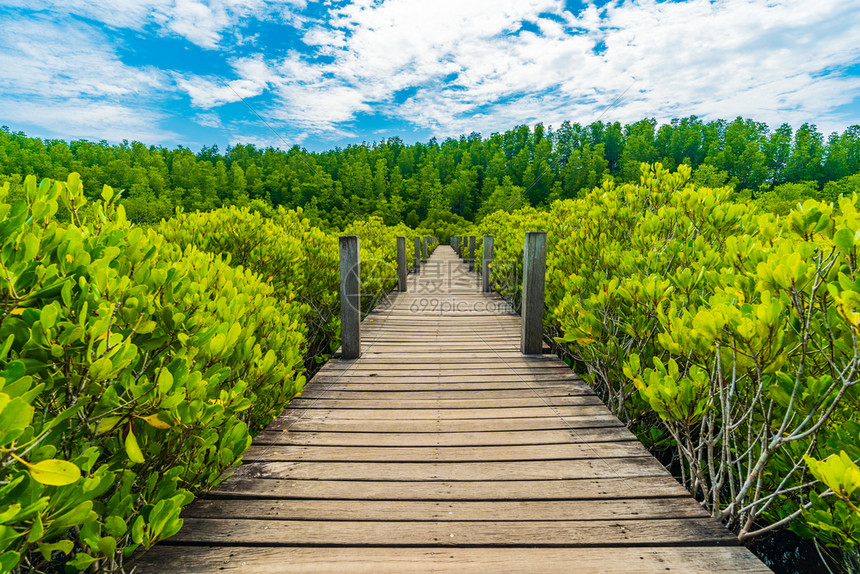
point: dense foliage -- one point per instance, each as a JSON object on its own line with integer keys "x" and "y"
{"x": 718, "y": 303}
{"x": 297, "y": 259}
{"x": 736, "y": 329}
{"x": 134, "y": 366}
{"x": 470, "y": 176}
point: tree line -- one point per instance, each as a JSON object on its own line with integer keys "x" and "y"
{"x": 469, "y": 176}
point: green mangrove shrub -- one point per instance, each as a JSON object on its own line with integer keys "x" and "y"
{"x": 131, "y": 372}
{"x": 734, "y": 330}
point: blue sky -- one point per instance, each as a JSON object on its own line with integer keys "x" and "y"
{"x": 320, "y": 74}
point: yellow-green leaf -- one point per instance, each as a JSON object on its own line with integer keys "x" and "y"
{"x": 156, "y": 422}
{"x": 132, "y": 449}
{"x": 165, "y": 381}
{"x": 106, "y": 424}
{"x": 54, "y": 472}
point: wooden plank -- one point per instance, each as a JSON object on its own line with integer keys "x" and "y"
{"x": 573, "y": 533}
{"x": 386, "y": 560}
{"x": 451, "y": 367}
{"x": 572, "y": 489}
{"x": 470, "y": 439}
{"x": 454, "y": 471}
{"x": 300, "y": 422}
{"x": 453, "y": 364}
{"x": 327, "y": 378}
{"x": 496, "y": 453}
{"x": 448, "y": 414}
{"x": 451, "y": 403}
{"x": 374, "y": 356}
{"x": 343, "y": 392}
{"x": 521, "y": 374}
{"x": 367, "y": 385}
{"x": 446, "y": 511}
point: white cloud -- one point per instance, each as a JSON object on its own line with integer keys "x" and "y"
{"x": 75, "y": 88}
{"x": 772, "y": 60}
{"x": 202, "y": 22}
{"x": 209, "y": 120}
{"x": 35, "y": 62}
{"x": 89, "y": 119}
{"x": 470, "y": 65}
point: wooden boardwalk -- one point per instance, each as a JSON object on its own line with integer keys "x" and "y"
{"x": 443, "y": 449}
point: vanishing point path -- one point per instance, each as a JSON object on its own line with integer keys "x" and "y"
{"x": 444, "y": 449}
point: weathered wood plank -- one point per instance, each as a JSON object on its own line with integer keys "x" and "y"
{"x": 446, "y": 511}
{"x": 386, "y": 560}
{"x": 497, "y": 453}
{"x": 476, "y": 490}
{"x": 372, "y": 385}
{"x": 573, "y": 533}
{"x": 447, "y": 414}
{"x": 371, "y": 394}
{"x": 455, "y": 471}
{"x": 324, "y": 379}
{"x": 452, "y": 403}
{"x": 299, "y": 422}
{"x": 423, "y": 439}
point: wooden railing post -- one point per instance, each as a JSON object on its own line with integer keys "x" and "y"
{"x": 487, "y": 259}
{"x": 424, "y": 247}
{"x": 471, "y": 253}
{"x": 417, "y": 254}
{"x": 350, "y": 297}
{"x": 534, "y": 274}
{"x": 401, "y": 264}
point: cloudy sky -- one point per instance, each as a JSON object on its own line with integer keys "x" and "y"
{"x": 320, "y": 74}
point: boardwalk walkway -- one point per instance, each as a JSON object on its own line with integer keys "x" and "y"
{"x": 443, "y": 449}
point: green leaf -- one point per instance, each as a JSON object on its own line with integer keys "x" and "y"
{"x": 107, "y": 545}
{"x": 9, "y": 512}
{"x": 16, "y": 414}
{"x": 101, "y": 369}
{"x": 64, "y": 546}
{"x": 106, "y": 424}
{"x": 165, "y": 381}
{"x": 81, "y": 561}
{"x": 115, "y": 526}
{"x": 37, "y": 530}
{"x": 132, "y": 449}
{"x": 844, "y": 240}
{"x": 31, "y": 246}
{"x": 54, "y": 472}
{"x": 8, "y": 560}
{"x": 155, "y": 421}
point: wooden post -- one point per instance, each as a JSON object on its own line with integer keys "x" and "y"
{"x": 417, "y": 254}
{"x": 424, "y": 247}
{"x": 401, "y": 264}
{"x": 350, "y": 300}
{"x": 485, "y": 267}
{"x": 534, "y": 274}
{"x": 471, "y": 253}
